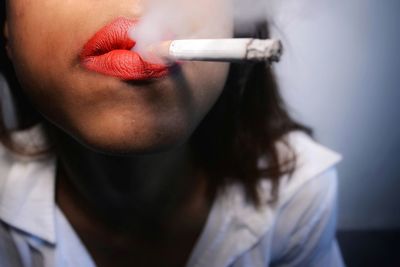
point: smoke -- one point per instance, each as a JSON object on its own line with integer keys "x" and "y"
{"x": 182, "y": 19}
{"x": 188, "y": 19}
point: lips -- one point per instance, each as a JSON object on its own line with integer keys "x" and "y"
{"x": 109, "y": 52}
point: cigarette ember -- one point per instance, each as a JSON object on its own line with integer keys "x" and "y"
{"x": 223, "y": 50}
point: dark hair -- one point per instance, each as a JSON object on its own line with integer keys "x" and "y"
{"x": 243, "y": 126}
{"x": 25, "y": 111}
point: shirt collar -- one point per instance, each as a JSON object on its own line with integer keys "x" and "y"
{"x": 27, "y": 189}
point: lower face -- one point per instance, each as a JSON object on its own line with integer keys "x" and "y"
{"x": 102, "y": 110}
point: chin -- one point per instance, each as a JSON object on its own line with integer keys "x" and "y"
{"x": 129, "y": 148}
{"x": 134, "y": 142}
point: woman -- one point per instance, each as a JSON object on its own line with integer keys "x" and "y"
{"x": 197, "y": 164}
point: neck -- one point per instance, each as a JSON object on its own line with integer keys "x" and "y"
{"x": 127, "y": 191}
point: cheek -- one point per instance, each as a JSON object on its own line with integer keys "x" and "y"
{"x": 40, "y": 43}
{"x": 45, "y": 38}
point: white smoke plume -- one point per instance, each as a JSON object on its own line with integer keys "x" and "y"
{"x": 188, "y": 19}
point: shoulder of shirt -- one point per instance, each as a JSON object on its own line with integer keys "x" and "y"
{"x": 313, "y": 163}
{"x": 312, "y": 160}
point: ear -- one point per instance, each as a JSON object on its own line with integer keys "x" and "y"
{"x": 5, "y": 34}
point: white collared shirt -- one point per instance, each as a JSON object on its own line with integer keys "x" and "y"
{"x": 299, "y": 230}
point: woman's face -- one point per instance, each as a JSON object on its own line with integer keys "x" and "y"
{"x": 81, "y": 91}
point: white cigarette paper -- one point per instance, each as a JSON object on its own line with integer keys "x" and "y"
{"x": 225, "y": 50}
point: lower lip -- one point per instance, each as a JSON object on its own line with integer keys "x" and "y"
{"x": 125, "y": 65}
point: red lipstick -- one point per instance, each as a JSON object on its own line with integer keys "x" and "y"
{"x": 109, "y": 52}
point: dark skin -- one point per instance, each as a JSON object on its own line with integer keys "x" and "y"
{"x": 152, "y": 231}
{"x": 126, "y": 179}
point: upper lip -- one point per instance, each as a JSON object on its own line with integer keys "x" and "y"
{"x": 109, "y": 52}
{"x": 113, "y": 36}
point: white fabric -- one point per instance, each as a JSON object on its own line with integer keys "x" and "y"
{"x": 298, "y": 230}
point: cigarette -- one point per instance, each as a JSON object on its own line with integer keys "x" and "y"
{"x": 222, "y": 50}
